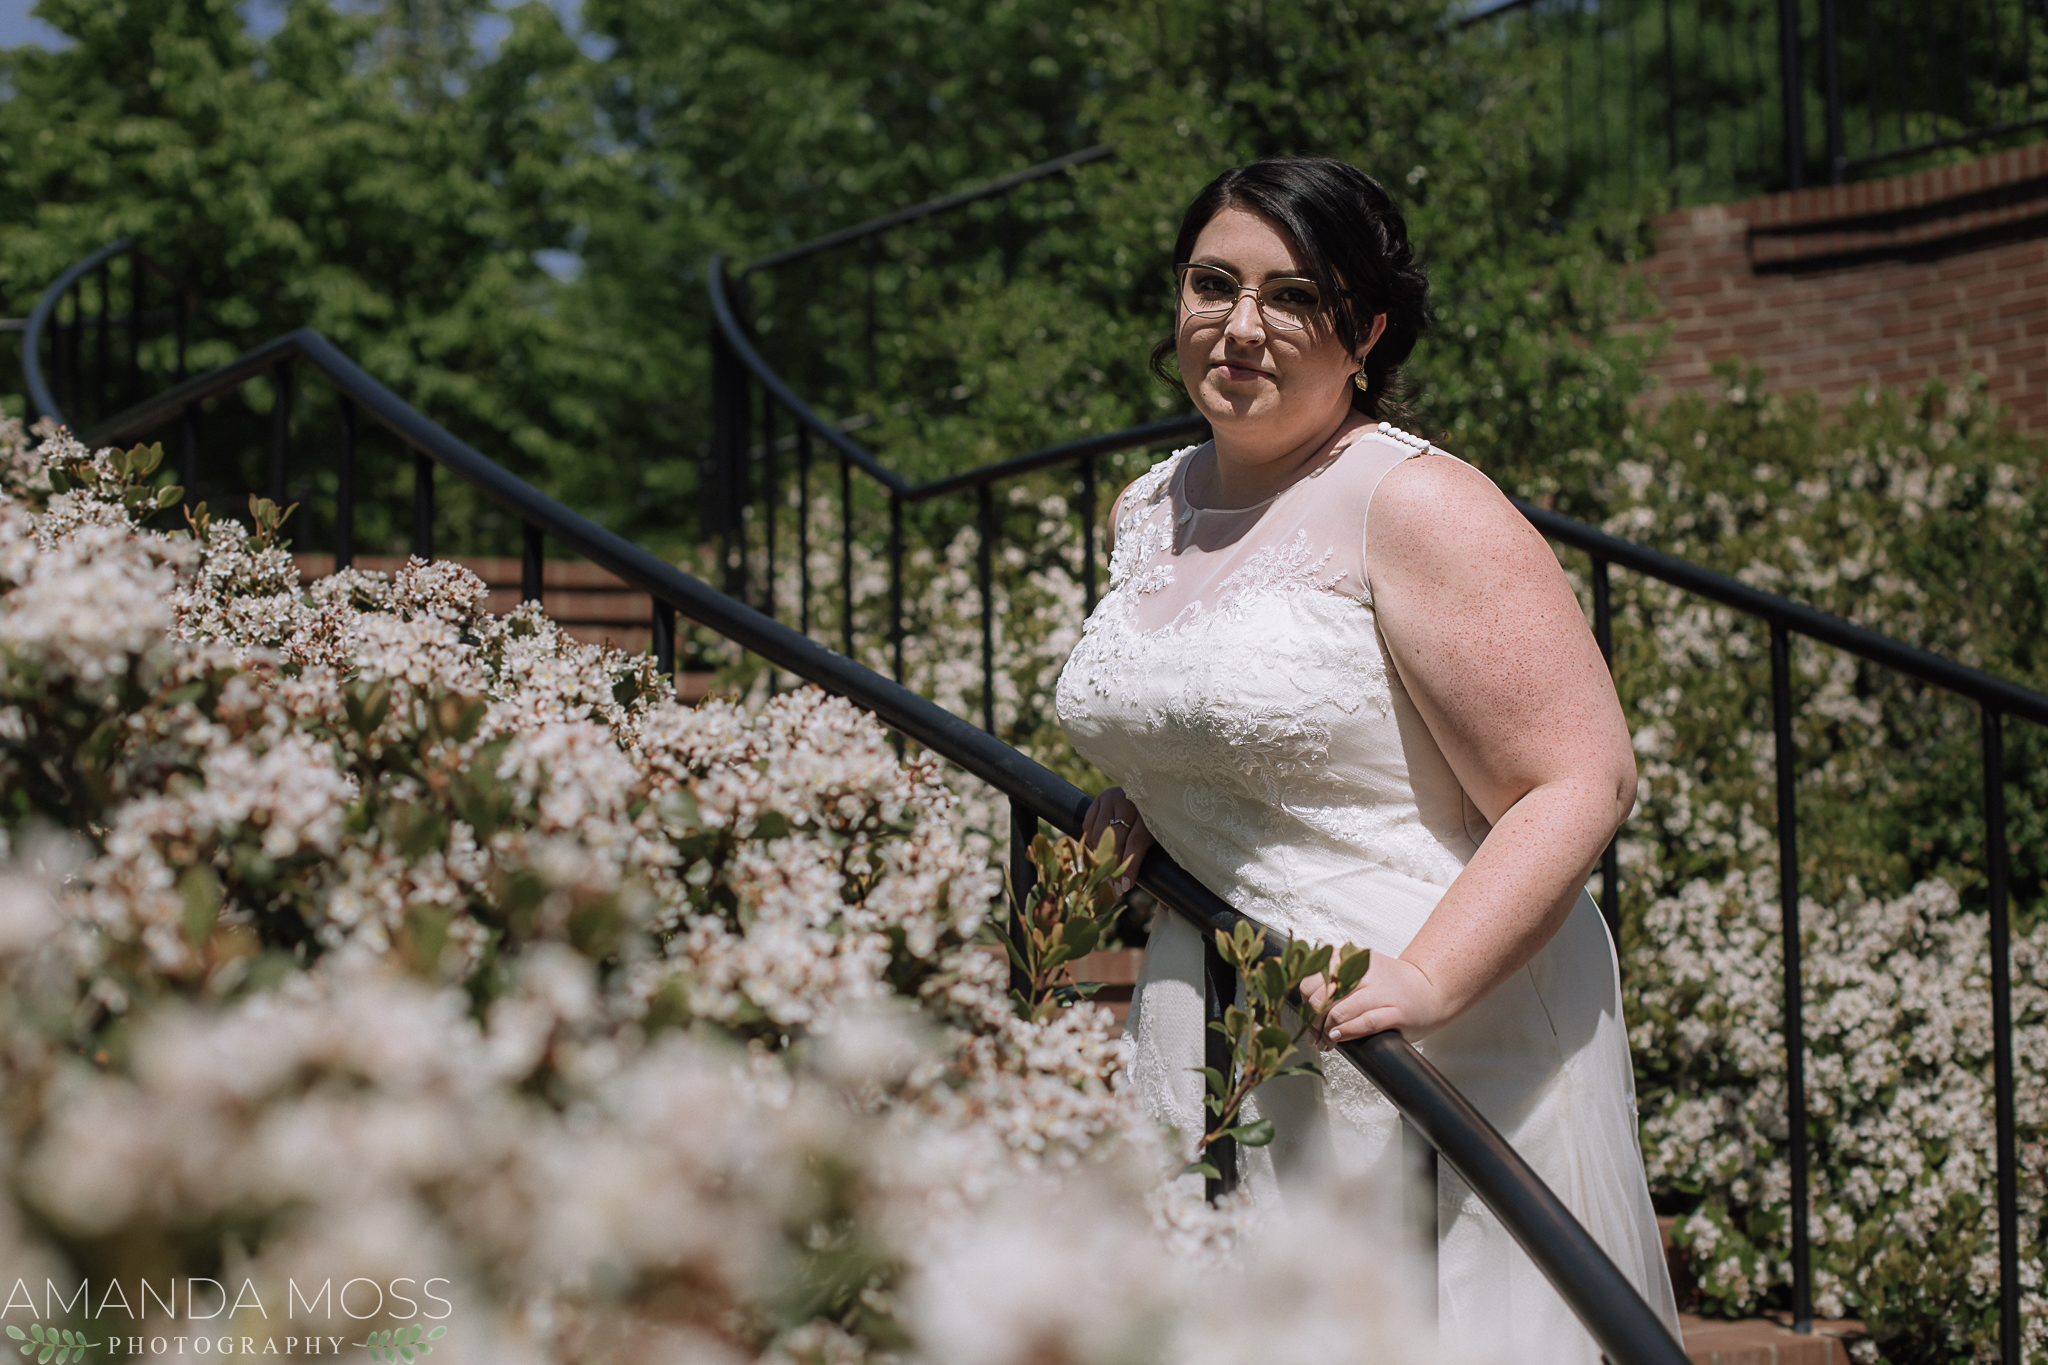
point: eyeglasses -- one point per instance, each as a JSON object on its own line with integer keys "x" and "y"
{"x": 1287, "y": 304}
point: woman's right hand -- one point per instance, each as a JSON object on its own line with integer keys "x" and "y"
{"x": 1113, "y": 811}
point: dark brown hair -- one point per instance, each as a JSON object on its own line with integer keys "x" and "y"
{"x": 1352, "y": 241}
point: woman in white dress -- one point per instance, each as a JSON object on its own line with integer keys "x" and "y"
{"x": 1345, "y": 684}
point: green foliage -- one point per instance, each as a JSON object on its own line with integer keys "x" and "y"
{"x": 1920, "y": 517}
{"x": 57, "y": 1344}
{"x": 1060, "y": 921}
{"x": 402, "y": 1343}
{"x": 1917, "y": 517}
{"x": 1266, "y": 1030}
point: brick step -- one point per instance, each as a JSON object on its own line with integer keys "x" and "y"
{"x": 1766, "y": 1341}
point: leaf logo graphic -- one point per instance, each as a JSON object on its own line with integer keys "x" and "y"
{"x": 57, "y": 1345}
{"x": 404, "y": 1343}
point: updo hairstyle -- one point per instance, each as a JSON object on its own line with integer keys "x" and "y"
{"x": 1352, "y": 242}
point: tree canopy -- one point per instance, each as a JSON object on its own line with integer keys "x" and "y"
{"x": 383, "y": 177}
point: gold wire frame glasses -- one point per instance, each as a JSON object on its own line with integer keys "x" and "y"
{"x": 1286, "y": 303}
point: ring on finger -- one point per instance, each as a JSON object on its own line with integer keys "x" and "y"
{"x": 1115, "y": 821}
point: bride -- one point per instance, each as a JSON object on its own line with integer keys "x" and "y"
{"x": 1347, "y": 686}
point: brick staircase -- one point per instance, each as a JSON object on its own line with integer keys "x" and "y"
{"x": 1708, "y": 1341}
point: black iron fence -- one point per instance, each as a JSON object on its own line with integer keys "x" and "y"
{"x": 1717, "y": 99}
{"x": 1627, "y": 1330}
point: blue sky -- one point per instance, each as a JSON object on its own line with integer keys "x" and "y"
{"x": 17, "y": 26}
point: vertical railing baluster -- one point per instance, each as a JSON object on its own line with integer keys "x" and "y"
{"x": 1023, "y": 878}
{"x": 846, "y": 554}
{"x": 1088, "y": 536}
{"x": 1419, "y": 1196}
{"x": 664, "y": 628}
{"x": 422, "y": 505}
{"x": 1795, "y": 1035}
{"x": 181, "y": 311}
{"x": 533, "y": 564}
{"x": 1831, "y": 90}
{"x": 664, "y": 637}
{"x": 874, "y": 247}
{"x": 1792, "y": 119}
{"x": 74, "y": 402}
{"x": 1671, "y": 103}
{"x": 711, "y": 499}
{"x": 188, "y": 454}
{"x": 2026, "y": 59}
{"x": 103, "y": 363}
{"x": 136, "y": 275}
{"x": 1219, "y": 992}
{"x": 1997, "y": 874}
{"x": 771, "y": 503}
{"x": 803, "y": 527}
{"x": 345, "y": 484}
{"x": 985, "y": 521}
{"x": 895, "y": 586}
{"x": 280, "y": 428}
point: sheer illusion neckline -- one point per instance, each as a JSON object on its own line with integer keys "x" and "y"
{"x": 1190, "y": 509}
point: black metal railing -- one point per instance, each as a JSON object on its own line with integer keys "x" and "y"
{"x": 1616, "y": 1315}
{"x": 66, "y": 376}
{"x": 1996, "y": 699}
{"x": 758, "y": 418}
{"x": 1722, "y": 98}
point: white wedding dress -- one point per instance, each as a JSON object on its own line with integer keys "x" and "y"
{"x": 1234, "y": 682}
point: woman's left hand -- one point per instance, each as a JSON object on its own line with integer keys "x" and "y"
{"x": 1394, "y": 995}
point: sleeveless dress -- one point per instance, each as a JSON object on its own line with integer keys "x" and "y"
{"x": 1235, "y": 683}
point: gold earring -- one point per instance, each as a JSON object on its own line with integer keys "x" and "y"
{"x": 1364, "y": 384}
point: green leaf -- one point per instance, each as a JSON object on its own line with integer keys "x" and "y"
{"x": 1201, "y": 1168}
{"x": 1257, "y": 1133}
{"x": 406, "y": 1354}
{"x": 36, "y": 1330}
{"x": 16, "y": 1332}
{"x": 437, "y": 1333}
{"x": 771, "y": 824}
{"x": 170, "y": 495}
{"x": 1217, "y": 1085}
{"x": 203, "y": 894}
{"x": 1352, "y": 970}
{"x": 49, "y": 1349}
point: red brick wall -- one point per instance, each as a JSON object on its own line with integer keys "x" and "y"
{"x": 1941, "y": 273}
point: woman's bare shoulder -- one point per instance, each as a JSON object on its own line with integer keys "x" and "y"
{"x": 1433, "y": 506}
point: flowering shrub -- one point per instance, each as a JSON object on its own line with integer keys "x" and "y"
{"x": 354, "y": 937}
{"x": 1922, "y": 520}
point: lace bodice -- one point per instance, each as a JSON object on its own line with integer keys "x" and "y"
{"x": 1235, "y": 683}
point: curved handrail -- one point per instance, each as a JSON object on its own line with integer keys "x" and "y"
{"x": 1986, "y": 689}
{"x": 959, "y": 198}
{"x": 1615, "y": 1314}
{"x": 39, "y": 396}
